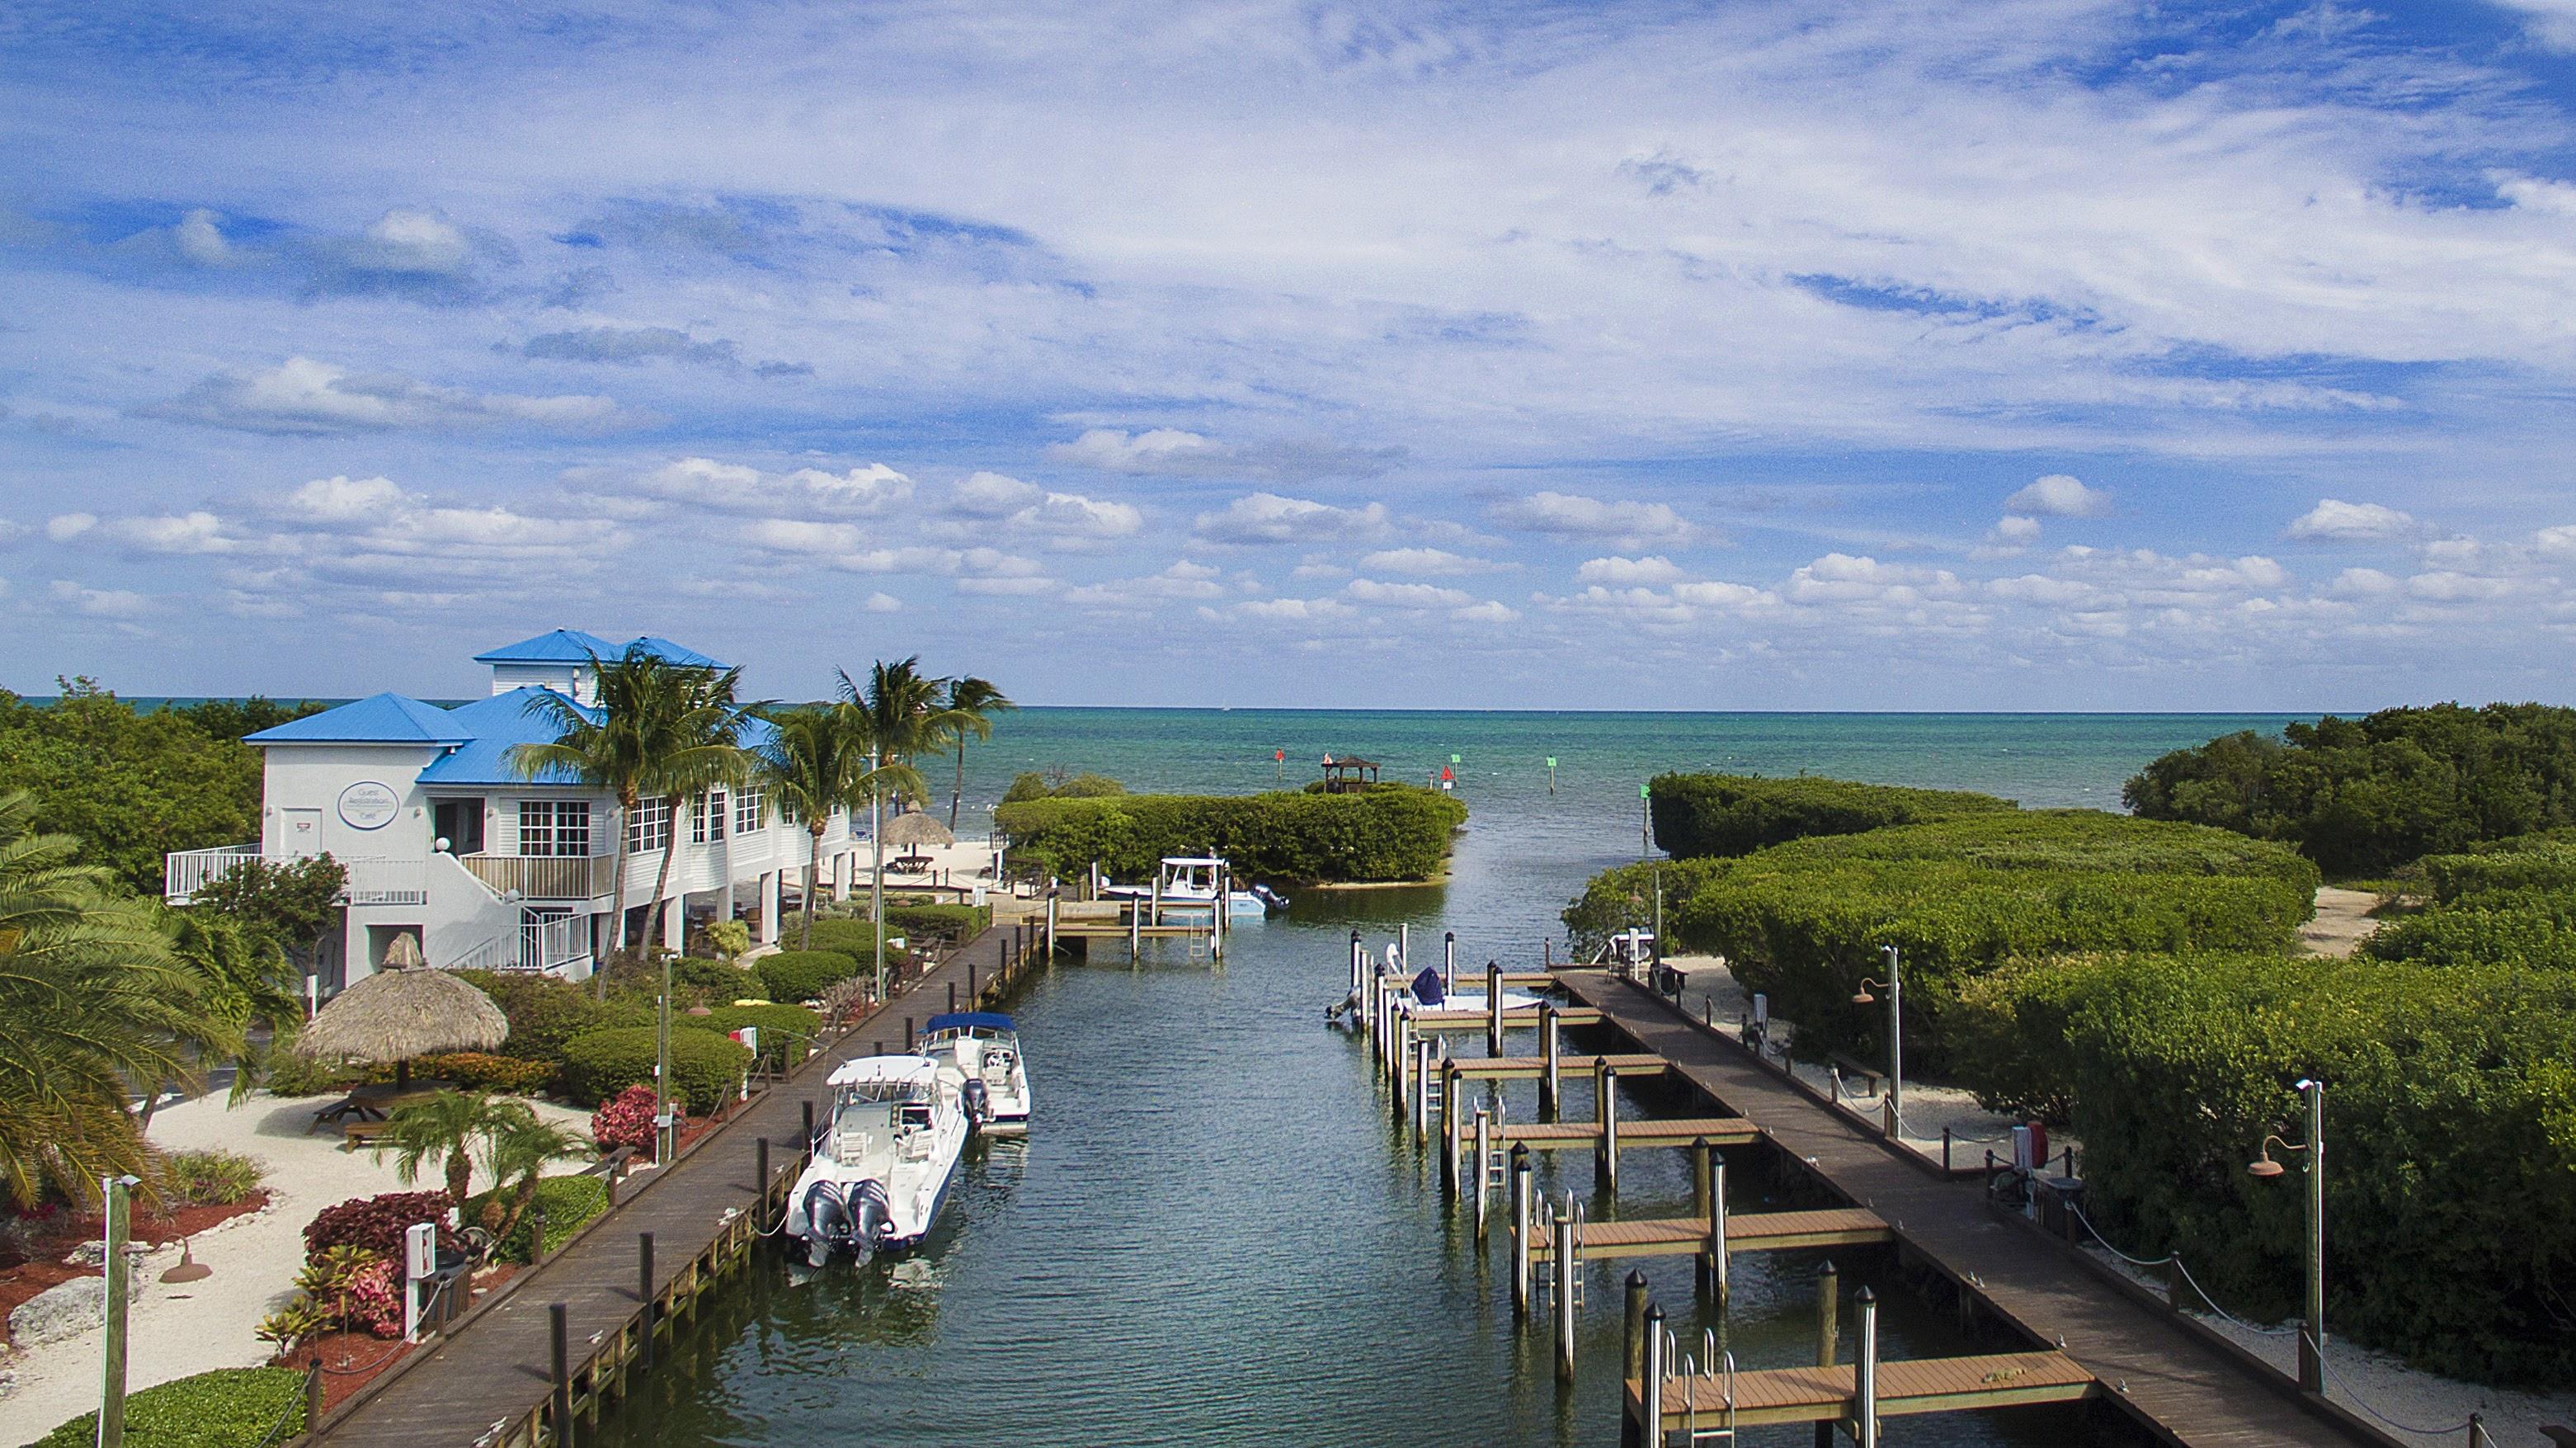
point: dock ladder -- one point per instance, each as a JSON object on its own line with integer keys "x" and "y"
{"x": 1719, "y": 1369}
{"x": 1547, "y": 1280}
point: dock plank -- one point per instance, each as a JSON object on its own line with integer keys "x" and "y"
{"x": 1921, "y": 1385}
{"x": 1745, "y": 1232}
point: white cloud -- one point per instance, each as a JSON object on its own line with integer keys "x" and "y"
{"x": 1171, "y": 452}
{"x": 1574, "y": 515}
{"x": 2364, "y": 583}
{"x": 1490, "y": 611}
{"x": 2551, "y": 23}
{"x": 1184, "y": 580}
{"x": 101, "y": 602}
{"x": 734, "y": 489}
{"x": 2059, "y": 496}
{"x": 303, "y": 397}
{"x": 63, "y": 527}
{"x": 1266, "y": 518}
{"x": 798, "y": 535}
{"x": 1621, "y": 572}
{"x": 1294, "y": 610}
{"x": 197, "y": 532}
{"x": 201, "y": 239}
{"x": 1406, "y": 595}
{"x": 408, "y": 240}
{"x": 882, "y": 603}
{"x": 1424, "y": 563}
{"x": 340, "y": 498}
{"x": 2015, "y": 530}
{"x": 2334, "y": 520}
{"x": 992, "y": 495}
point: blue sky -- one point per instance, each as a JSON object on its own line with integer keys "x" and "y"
{"x": 2010, "y": 354}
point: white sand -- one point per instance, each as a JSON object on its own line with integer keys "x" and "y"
{"x": 2342, "y": 922}
{"x": 174, "y": 1331}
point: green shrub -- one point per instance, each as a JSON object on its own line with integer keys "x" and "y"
{"x": 785, "y": 1031}
{"x": 695, "y": 981}
{"x": 1397, "y": 832}
{"x": 1698, "y": 815}
{"x": 706, "y": 1069}
{"x": 2072, "y": 839}
{"x": 856, "y": 939}
{"x": 2451, "y": 1166}
{"x": 2514, "y": 865}
{"x": 286, "y": 1073}
{"x": 545, "y": 1012}
{"x": 790, "y": 976}
{"x": 1031, "y": 784}
{"x": 938, "y": 922}
{"x": 226, "y": 1408}
{"x": 479, "y": 1071}
{"x": 209, "y": 1178}
{"x": 2364, "y": 796}
{"x": 569, "y": 1202}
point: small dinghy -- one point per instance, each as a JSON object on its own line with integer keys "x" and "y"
{"x": 982, "y": 1049}
{"x": 883, "y": 1162}
{"x": 1430, "y": 993}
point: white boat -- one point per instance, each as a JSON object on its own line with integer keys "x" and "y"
{"x": 1428, "y": 992}
{"x": 983, "y": 1049}
{"x": 1186, "y": 885}
{"x": 884, "y": 1161}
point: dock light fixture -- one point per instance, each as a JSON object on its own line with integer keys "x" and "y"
{"x": 189, "y": 1269}
{"x": 1894, "y": 985}
{"x": 2312, "y": 1335}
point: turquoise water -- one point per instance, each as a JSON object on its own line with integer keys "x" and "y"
{"x": 1214, "y": 1234}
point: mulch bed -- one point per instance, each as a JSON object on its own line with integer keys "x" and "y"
{"x": 57, "y": 1235}
{"x": 350, "y": 1361}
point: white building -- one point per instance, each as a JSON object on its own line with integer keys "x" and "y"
{"x": 445, "y": 842}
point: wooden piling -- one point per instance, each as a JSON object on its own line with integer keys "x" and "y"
{"x": 1493, "y": 1009}
{"x": 1605, "y": 1159}
{"x": 1828, "y": 1308}
{"x": 559, "y": 1331}
{"x": 1565, "y": 1279}
{"x": 1548, "y": 1038}
{"x": 1524, "y": 1221}
{"x": 1484, "y": 1153}
{"x": 644, "y": 1291}
{"x": 1717, "y": 1250}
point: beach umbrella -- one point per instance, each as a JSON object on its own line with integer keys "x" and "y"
{"x": 402, "y": 1012}
{"x": 911, "y": 831}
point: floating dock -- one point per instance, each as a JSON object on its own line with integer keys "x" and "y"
{"x": 1774, "y": 1396}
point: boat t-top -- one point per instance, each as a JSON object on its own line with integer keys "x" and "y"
{"x": 1186, "y": 885}
{"x": 883, "y": 1162}
{"x": 983, "y": 1049}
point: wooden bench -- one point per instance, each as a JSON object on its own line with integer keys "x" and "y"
{"x": 1868, "y": 1074}
{"x": 354, "y": 1134}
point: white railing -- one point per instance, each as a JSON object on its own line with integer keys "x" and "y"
{"x": 498, "y": 953}
{"x": 373, "y": 879}
{"x": 185, "y": 872}
{"x": 541, "y": 877}
{"x": 543, "y": 944}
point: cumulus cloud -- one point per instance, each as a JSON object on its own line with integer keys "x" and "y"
{"x": 882, "y": 603}
{"x": 2333, "y": 520}
{"x": 628, "y": 346}
{"x": 1266, "y": 518}
{"x": 341, "y": 499}
{"x": 63, "y": 527}
{"x": 1426, "y": 562}
{"x": 866, "y": 491}
{"x": 1620, "y": 572}
{"x": 409, "y": 252}
{"x": 1063, "y": 521}
{"x": 1183, "y": 581}
{"x": 2550, "y": 23}
{"x": 197, "y": 532}
{"x": 117, "y": 603}
{"x": 992, "y": 495}
{"x": 1574, "y": 515}
{"x": 2015, "y": 530}
{"x": 200, "y": 238}
{"x": 303, "y": 397}
{"x": 1173, "y": 453}
{"x": 2059, "y": 496}
{"x": 1406, "y": 595}
{"x": 1295, "y": 610}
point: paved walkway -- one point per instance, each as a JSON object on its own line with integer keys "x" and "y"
{"x": 2199, "y": 1397}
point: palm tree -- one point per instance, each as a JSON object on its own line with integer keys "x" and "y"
{"x": 706, "y": 752}
{"x": 244, "y": 980}
{"x": 903, "y": 713}
{"x": 517, "y": 1148}
{"x": 446, "y": 1126}
{"x": 647, "y": 736}
{"x": 90, "y": 999}
{"x": 972, "y": 702}
{"x": 818, "y": 762}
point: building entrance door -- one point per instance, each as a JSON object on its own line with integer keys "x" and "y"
{"x": 303, "y": 832}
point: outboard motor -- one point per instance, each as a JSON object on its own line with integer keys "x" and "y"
{"x": 979, "y": 1102}
{"x": 872, "y": 1217}
{"x": 827, "y": 1220}
{"x": 1427, "y": 987}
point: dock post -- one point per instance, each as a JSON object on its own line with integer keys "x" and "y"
{"x": 1356, "y": 953}
{"x": 1493, "y": 1009}
{"x": 1547, "y": 1047}
{"x": 1053, "y": 897}
{"x": 1449, "y": 961}
{"x": 1635, "y": 1356}
{"x": 1564, "y": 1265}
{"x": 1828, "y": 1305}
{"x": 1701, "y": 1152}
{"x": 1422, "y": 1088}
{"x": 1403, "y": 1068}
{"x": 1158, "y": 898}
{"x": 760, "y": 1178}
{"x": 1717, "y": 1250}
{"x": 952, "y": 997}
{"x": 1136, "y": 934}
{"x": 974, "y": 987}
{"x": 1484, "y": 1153}
{"x": 1404, "y": 946}
{"x": 1449, "y": 1128}
{"x": 559, "y": 1333}
{"x": 809, "y": 1128}
{"x": 1865, "y": 1378}
{"x": 1650, "y": 1378}
{"x": 907, "y": 1035}
{"x": 644, "y": 1290}
{"x": 2478, "y": 1432}
{"x": 1605, "y": 1082}
{"x": 1524, "y": 1221}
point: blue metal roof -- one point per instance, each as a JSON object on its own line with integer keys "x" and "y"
{"x": 560, "y": 646}
{"x": 669, "y": 652}
{"x": 492, "y": 726}
{"x": 381, "y": 719}
{"x": 969, "y": 1020}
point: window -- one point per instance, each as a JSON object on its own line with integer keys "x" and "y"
{"x": 747, "y": 811}
{"x": 707, "y": 818}
{"x": 554, "y": 827}
{"x": 649, "y": 827}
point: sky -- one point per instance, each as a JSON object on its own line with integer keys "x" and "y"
{"x": 2012, "y": 354}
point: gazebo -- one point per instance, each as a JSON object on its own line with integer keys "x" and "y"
{"x": 401, "y": 1012}
{"x": 1348, "y": 774}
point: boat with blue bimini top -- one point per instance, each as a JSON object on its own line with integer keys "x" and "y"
{"x": 983, "y": 1049}
{"x": 884, "y": 1161}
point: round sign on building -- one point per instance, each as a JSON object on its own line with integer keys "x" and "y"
{"x": 368, "y": 805}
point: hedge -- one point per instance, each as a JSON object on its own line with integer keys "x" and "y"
{"x": 706, "y": 1069}
{"x": 856, "y": 939}
{"x": 1391, "y": 833}
{"x": 1699, "y": 815}
{"x": 226, "y": 1408}
{"x": 785, "y": 1030}
{"x": 545, "y": 1012}
{"x": 790, "y": 976}
{"x": 938, "y": 922}
{"x": 479, "y": 1071}
{"x": 1805, "y": 922}
{"x": 569, "y": 1202}
{"x": 2515, "y": 865}
{"x": 2451, "y": 1164}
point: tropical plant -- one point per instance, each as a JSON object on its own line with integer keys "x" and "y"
{"x": 209, "y": 1178}
{"x": 90, "y": 999}
{"x": 130, "y": 786}
{"x": 971, "y": 704}
{"x": 815, "y": 763}
{"x": 625, "y": 1119}
{"x": 517, "y": 1148}
{"x": 659, "y": 730}
{"x": 243, "y": 981}
{"x": 447, "y": 1126}
{"x": 226, "y": 1408}
{"x": 291, "y": 904}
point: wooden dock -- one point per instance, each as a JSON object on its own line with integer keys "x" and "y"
{"x": 1642, "y": 1131}
{"x": 1745, "y": 1232}
{"x": 2189, "y": 1391}
{"x": 1498, "y": 1068}
{"x": 1520, "y": 1020}
{"x": 1824, "y": 1395}
{"x": 488, "y": 1381}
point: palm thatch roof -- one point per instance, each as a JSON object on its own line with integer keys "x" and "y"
{"x": 395, "y": 1015}
{"x": 915, "y": 829}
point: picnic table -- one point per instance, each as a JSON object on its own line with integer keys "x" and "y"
{"x": 376, "y": 1100}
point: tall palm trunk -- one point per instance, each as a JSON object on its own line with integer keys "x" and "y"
{"x": 813, "y": 879}
{"x": 616, "y": 892}
{"x": 959, "y": 794}
{"x": 662, "y": 877}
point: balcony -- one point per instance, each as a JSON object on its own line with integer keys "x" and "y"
{"x": 373, "y": 879}
{"x": 537, "y": 877}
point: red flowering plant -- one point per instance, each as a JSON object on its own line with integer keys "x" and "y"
{"x": 627, "y": 1120}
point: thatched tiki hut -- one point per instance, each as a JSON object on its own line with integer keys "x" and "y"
{"x": 401, "y": 1012}
{"x": 917, "y": 830}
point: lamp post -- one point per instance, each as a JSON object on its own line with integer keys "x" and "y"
{"x": 1894, "y": 985}
{"x": 2312, "y": 1336}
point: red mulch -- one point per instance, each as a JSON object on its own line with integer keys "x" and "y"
{"x": 350, "y": 1361}
{"x": 59, "y": 1233}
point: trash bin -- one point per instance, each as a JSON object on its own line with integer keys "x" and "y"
{"x": 2058, "y": 1198}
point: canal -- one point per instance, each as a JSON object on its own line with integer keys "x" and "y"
{"x": 1215, "y": 1234}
